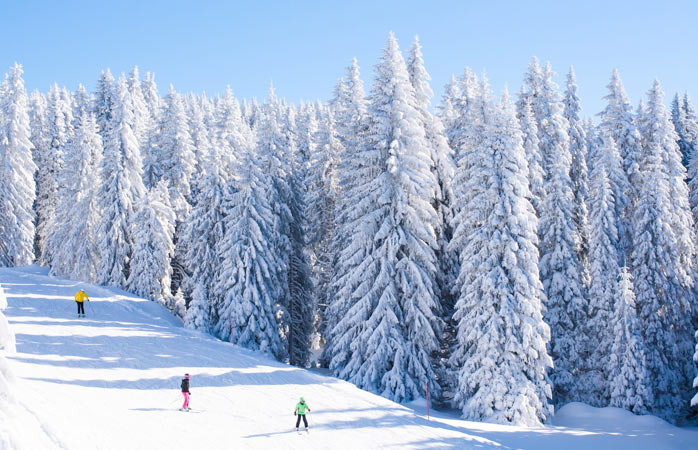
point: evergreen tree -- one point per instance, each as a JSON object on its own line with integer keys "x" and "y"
{"x": 73, "y": 235}
{"x": 385, "y": 339}
{"x": 17, "y": 188}
{"x": 104, "y": 99}
{"x": 39, "y": 137}
{"x": 203, "y": 230}
{"x": 443, "y": 168}
{"x": 82, "y": 104}
{"x": 662, "y": 261}
{"x": 448, "y": 110}
{"x": 604, "y": 259}
{"x": 120, "y": 190}
{"x": 628, "y": 378}
{"x": 560, "y": 269}
{"x": 152, "y": 159}
{"x": 300, "y": 301}
{"x": 618, "y": 121}
{"x": 139, "y": 108}
{"x": 250, "y": 278}
{"x": 579, "y": 172}
{"x": 177, "y": 152}
{"x": 321, "y": 212}
{"x": 501, "y": 356}
{"x": 232, "y": 134}
{"x": 153, "y": 230}
{"x": 60, "y": 130}
{"x": 350, "y": 110}
{"x": 534, "y": 159}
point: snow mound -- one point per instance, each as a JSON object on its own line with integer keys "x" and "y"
{"x": 579, "y": 415}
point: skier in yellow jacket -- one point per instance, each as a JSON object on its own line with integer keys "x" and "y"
{"x": 80, "y": 297}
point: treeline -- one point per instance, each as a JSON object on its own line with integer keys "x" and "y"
{"x": 507, "y": 254}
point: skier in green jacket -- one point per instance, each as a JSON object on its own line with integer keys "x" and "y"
{"x": 301, "y": 407}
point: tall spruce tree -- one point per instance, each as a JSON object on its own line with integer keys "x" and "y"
{"x": 618, "y": 121}
{"x": 662, "y": 261}
{"x": 349, "y": 107}
{"x": 579, "y": 172}
{"x": 202, "y": 231}
{"x": 321, "y": 204}
{"x": 604, "y": 257}
{"x": 560, "y": 269}
{"x": 386, "y": 337}
{"x": 60, "y": 129}
{"x": 249, "y": 279}
{"x": 153, "y": 247}
{"x": 74, "y": 241}
{"x": 17, "y": 188}
{"x": 529, "y": 128}
{"x": 120, "y": 190}
{"x": 629, "y": 384}
{"x": 500, "y": 356}
{"x": 443, "y": 168}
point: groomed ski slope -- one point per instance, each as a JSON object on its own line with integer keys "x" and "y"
{"x": 111, "y": 381}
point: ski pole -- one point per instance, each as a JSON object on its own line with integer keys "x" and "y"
{"x": 91, "y": 308}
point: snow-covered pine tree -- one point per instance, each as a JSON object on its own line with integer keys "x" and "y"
{"x": 534, "y": 159}
{"x": 82, "y": 104}
{"x": 321, "y": 199}
{"x": 349, "y": 107}
{"x": 604, "y": 259}
{"x": 443, "y": 168}
{"x": 628, "y": 378}
{"x": 152, "y": 170}
{"x": 662, "y": 261}
{"x": 73, "y": 235}
{"x": 153, "y": 230}
{"x": 448, "y": 110}
{"x": 560, "y": 269}
{"x": 466, "y": 131}
{"x": 141, "y": 119}
{"x": 202, "y": 231}
{"x": 500, "y": 355}
{"x": 232, "y": 134}
{"x": 17, "y": 188}
{"x": 579, "y": 172}
{"x": 177, "y": 163}
{"x": 300, "y": 289}
{"x": 201, "y": 141}
{"x": 177, "y": 152}
{"x": 60, "y": 129}
{"x": 617, "y": 119}
{"x": 121, "y": 188}
{"x": 250, "y": 279}
{"x": 385, "y": 339}
{"x": 104, "y": 103}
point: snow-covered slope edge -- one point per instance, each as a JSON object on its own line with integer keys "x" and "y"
{"x": 111, "y": 381}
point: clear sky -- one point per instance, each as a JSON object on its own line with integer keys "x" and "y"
{"x": 304, "y": 46}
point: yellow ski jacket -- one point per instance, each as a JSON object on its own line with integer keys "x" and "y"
{"x": 81, "y": 297}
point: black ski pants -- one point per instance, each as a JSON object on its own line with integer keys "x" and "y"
{"x": 81, "y": 308}
{"x": 298, "y": 420}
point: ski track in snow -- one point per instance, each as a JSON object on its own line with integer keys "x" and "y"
{"x": 111, "y": 381}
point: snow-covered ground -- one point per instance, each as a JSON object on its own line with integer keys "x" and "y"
{"x": 111, "y": 381}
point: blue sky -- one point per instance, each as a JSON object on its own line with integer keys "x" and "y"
{"x": 304, "y": 46}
